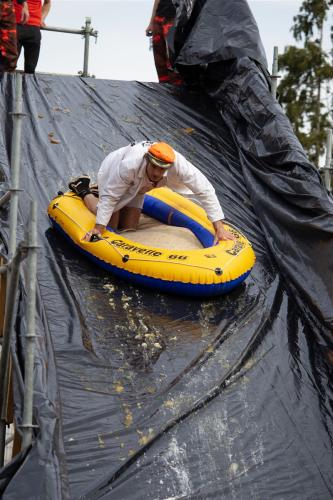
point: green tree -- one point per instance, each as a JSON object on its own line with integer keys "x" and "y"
{"x": 307, "y": 71}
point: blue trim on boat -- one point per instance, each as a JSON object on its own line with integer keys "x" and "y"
{"x": 163, "y": 212}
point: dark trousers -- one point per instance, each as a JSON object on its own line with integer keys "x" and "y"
{"x": 8, "y": 46}
{"x": 165, "y": 72}
{"x": 29, "y": 37}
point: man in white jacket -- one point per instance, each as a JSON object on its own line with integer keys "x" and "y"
{"x": 128, "y": 173}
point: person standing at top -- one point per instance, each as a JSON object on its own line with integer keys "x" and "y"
{"x": 129, "y": 172}
{"x": 8, "y": 36}
{"x": 162, "y": 19}
{"x": 28, "y": 31}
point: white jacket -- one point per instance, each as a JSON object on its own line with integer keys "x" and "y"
{"x": 122, "y": 178}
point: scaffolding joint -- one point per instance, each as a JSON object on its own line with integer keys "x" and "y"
{"x": 28, "y": 426}
{"x": 27, "y": 247}
{"x": 32, "y": 336}
{"x": 17, "y": 113}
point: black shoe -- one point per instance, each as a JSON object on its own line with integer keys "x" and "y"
{"x": 80, "y": 185}
{"x": 94, "y": 190}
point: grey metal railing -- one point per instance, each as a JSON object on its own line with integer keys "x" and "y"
{"x": 86, "y": 31}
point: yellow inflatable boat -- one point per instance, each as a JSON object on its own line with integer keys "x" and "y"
{"x": 207, "y": 271}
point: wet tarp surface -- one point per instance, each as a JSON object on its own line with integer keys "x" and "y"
{"x": 141, "y": 395}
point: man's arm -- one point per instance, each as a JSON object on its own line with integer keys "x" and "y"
{"x": 203, "y": 190}
{"x": 25, "y": 11}
{"x": 112, "y": 188}
{"x": 45, "y": 10}
{"x": 221, "y": 234}
{"x": 150, "y": 25}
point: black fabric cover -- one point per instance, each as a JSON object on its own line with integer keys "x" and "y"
{"x": 209, "y": 31}
{"x": 141, "y": 395}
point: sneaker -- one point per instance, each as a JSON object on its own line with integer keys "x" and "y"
{"x": 80, "y": 185}
{"x": 94, "y": 190}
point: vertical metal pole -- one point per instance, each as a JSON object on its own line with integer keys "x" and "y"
{"x": 13, "y": 270}
{"x": 8, "y": 328}
{"x": 31, "y": 335}
{"x": 328, "y": 161}
{"x": 15, "y": 166}
{"x": 87, "y": 31}
{"x": 275, "y": 70}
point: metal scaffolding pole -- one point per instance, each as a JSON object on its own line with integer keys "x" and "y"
{"x": 8, "y": 328}
{"x": 15, "y": 256}
{"x": 31, "y": 334}
{"x": 275, "y": 70}
{"x": 87, "y": 31}
{"x": 15, "y": 165}
{"x": 86, "y": 46}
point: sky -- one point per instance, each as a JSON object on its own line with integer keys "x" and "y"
{"x": 122, "y": 49}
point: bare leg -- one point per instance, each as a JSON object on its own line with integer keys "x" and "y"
{"x": 90, "y": 202}
{"x": 114, "y": 221}
{"x": 129, "y": 218}
{"x": 126, "y": 218}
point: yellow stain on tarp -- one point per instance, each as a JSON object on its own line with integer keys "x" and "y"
{"x": 151, "y": 390}
{"x": 188, "y": 130}
{"x": 145, "y": 438}
{"x": 128, "y": 419}
{"x": 169, "y": 404}
{"x": 101, "y": 441}
{"x": 118, "y": 387}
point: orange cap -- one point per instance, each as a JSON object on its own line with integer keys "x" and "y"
{"x": 161, "y": 154}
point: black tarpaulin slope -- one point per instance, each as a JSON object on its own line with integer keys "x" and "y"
{"x": 141, "y": 395}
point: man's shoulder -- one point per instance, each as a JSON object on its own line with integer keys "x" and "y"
{"x": 180, "y": 159}
{"x": 140, "y": 147}
{"x": 135, "y": 152}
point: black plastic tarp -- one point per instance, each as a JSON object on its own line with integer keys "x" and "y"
{"x": 209, "y": 31}
{"x": 141, "y": 395}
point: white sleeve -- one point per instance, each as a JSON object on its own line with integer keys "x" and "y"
{"x": 195, "y": 180}
{"x": 112, "y": 186}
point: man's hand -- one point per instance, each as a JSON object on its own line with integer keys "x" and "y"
{"x": 221, "y": 234}
{"x": 149, "y": 29}
{"x": 96, "y": 231}
{"x": 45, "y": 10}
{"x": 25, "y": 13}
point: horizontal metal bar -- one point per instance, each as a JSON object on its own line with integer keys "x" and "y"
{"x": 82, "y": 31}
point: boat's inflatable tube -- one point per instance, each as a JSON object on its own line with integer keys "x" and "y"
{"x": 207, "y": 271}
